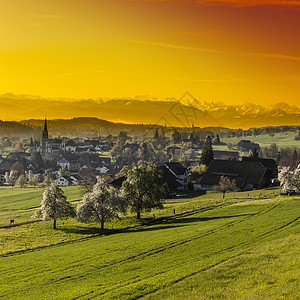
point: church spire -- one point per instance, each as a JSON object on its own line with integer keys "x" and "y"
{"x": 45, "y": 131}
{"x": 45, "y": 125}
{"x": 44, "y": 141}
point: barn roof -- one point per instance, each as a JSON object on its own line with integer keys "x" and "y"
{"x": 243, "y": 172}
{"x": 176, "y": 168}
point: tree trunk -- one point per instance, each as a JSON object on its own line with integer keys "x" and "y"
{"x": 138, "y": 215}
{"x": 102, "y": 225}
{"x": 224, "y": 195}
{"x": 54, "y": 223}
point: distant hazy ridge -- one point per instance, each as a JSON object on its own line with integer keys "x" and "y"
{"x": 183, "y": 114}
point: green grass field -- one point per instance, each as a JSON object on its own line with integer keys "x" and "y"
{"x": 17, "y": 203}
{"x": 282, "y": 140}
{"x": 244, "y": 248}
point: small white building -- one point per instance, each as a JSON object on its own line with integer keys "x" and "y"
{"x": 75, "y": 180}
{"x": 64, "y": 164}
{"x": 64, "y": 181}
{"x": 102, "y": 170}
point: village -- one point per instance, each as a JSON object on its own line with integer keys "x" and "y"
{"x": 72, "y": 162}
{"x": 150, "y": 150}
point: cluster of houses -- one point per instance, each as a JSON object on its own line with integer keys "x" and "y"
{"x": 75, "y": 155}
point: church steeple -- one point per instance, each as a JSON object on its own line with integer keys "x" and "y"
{"x": 44, "y": 142}
{"x": 45, "y": 131}
{"x": 45, "y": 125}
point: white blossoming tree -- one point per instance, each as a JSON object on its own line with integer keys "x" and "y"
{"x": 102, "y": 204}
{"x": 13, "y": 177}
{"x": 54, "y": 205}
{"x": 225, "y": 184}
{"x": 289, "y": 179}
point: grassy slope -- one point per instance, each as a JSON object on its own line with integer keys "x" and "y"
{"x": 32, "y": 233}
{"x": 270, "y": 271}
{"x": 17, "y": 203}
{"x": 143, "y": 259}
{"x": 26, "y": 198}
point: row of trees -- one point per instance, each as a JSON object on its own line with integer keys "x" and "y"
{"x": 287, "y": 157}
{"x": 14, "y": 177}
{"x": 141, "y": 191}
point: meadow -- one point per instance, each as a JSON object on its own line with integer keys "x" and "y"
{"x": 197, "y": 247}
{"x": 281, "y": 139}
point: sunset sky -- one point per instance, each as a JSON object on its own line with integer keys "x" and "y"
{"x": 229, "y": 51}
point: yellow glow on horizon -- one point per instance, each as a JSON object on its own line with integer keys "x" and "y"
{"x": 92, "y": 49}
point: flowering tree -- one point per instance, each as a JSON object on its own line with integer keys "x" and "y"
{"x": 13, "y": 177}
{"x": 54, "y": 205}
{"x": 101, "y": 205}
{"x": 289, "y": 179}
{"x": 225, "y": 184}
{"x": 21, "y": 181}
{"x": 32, "y": 179}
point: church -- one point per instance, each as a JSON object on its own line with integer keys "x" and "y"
{"x": 51, "y": 147}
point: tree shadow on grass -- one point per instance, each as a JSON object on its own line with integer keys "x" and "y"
{"x": 152, "y": 228}
{"x": 191, "y": 194}
{"x": 191, "y": 220}
{"x": 82, "y": 230}
{"x": 144, "y": 225}
{"x": 96, "y": 231}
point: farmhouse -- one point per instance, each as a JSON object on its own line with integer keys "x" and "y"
{"x": 248, "y": 174}
{"x": 244, "y": 146}
{"x": 269, "y": 164}
{"x": 75, "y": 179}
{"x": 64, "y": 181}
{"x": 64, "y": 164}
{"x": 175, "y": 175}
{"x": 218, "y": 154}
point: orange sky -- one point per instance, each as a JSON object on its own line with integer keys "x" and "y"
{"x": 230, "y": 51}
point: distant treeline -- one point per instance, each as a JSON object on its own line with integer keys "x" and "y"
{"x": 94, "y": 127}
{"x": 13, "y": 128}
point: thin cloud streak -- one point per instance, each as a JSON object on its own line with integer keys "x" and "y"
{"x": 206, "y": 50}
{"x": 177, "y": 47}
{"x": 202, "y": 33}
{"x": 208, "y": 80}
{"x": 230, "y": 2}
{"x": 272, "y": 55}
{"x": 49, "y": 16}
{"x": 252, "y": 2}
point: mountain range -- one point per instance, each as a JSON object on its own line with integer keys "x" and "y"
{"x": 185, "y": 112}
